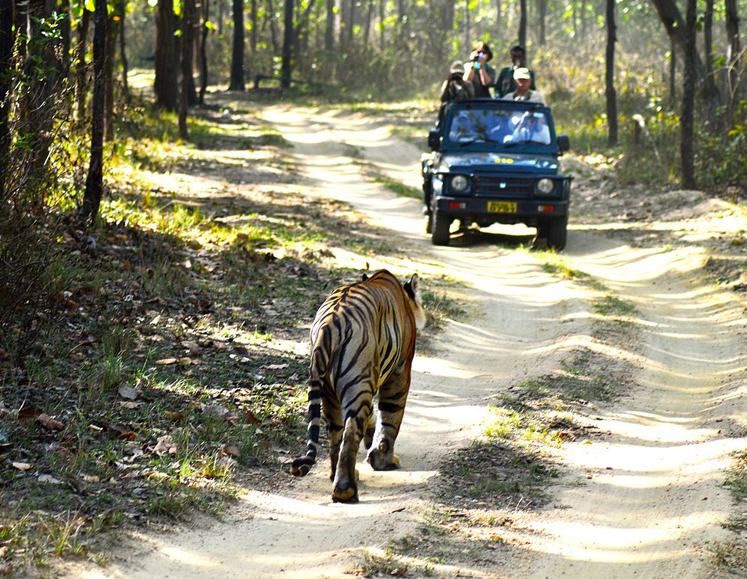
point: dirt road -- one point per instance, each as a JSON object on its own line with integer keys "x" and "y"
{"x": 641, "y": 501}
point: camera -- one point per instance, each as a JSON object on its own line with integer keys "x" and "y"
{"x": 456, "y": 76}
{"x": 476, "y": 58}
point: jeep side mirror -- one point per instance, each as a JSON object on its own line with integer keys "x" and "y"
{"x": 564, "y": 143}
{"x": 434, "y": 140}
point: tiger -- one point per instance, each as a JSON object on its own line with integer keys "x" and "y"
{"x": 362, "y": 343}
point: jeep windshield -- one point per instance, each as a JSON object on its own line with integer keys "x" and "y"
{"x": 499, "y": 128}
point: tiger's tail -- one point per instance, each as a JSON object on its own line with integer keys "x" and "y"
{"x": 302, "y": 465}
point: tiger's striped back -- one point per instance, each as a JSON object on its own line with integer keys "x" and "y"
{"x": 362, "y": 342}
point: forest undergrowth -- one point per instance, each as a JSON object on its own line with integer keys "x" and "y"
{"x": 146, "y": 364}
{"x": 146, "y": 373}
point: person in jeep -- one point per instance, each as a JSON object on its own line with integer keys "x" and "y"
{"x": 523, "y": 92}
{"x": 506, "y": 83}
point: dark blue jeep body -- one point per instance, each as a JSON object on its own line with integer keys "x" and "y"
{"x": 496, "y": 161}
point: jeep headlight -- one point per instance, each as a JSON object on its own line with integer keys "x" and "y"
{"x": 459, "y": 183}
{"x": 545, "y": 186}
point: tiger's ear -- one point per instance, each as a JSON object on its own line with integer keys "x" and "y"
{"x": 364, "y": 277}
{"x": 411, "y": 287}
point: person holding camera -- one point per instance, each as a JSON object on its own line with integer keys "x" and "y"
{"x": 454, "y": 88}
{"x": 506, "y": 83}
{"x": 480, "y": 73}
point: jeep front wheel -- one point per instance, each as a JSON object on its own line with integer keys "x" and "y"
{"x": 440, "y": 225}
{"x": 555, "y": 232}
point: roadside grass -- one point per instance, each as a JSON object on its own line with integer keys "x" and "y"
{"x": 731, "y": 555}
{"x": 161, "y": 366}
{"x": 606, "y": 304}
{"x": 512, "y": 466}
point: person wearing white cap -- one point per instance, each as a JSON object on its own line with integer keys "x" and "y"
{"x": 523, "y": 80}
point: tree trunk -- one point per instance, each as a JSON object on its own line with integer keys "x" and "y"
{"x": 609, "y": 76}
{"x": 542, "y": 22}
{"x": 732, "y": 36}
{"x": 583, "y": 20}
{"x": 523, "y": 23}
{"x": 687, "y": 147}
{"x": 288, "y": 36}
{"x": 404, "y": 29}
{"x": 80, "y": 64}
{"x": 672, "y": 73}
{"x": 467, "y": 26}
{"x": 166, "y": 86}
{"x": 89, "y": 209}
{"x": 254, "y": 38}
{"x": 237, "y": 58}
{"x": 270, "y": 19}
{"x": 65, "y": 32}
{"x": 190, "y": 24}
{"x": 188, "y": 10}
{"x": 39, "y": 105}
{"x": 6, "y": 53}
{"x": 711, "y": 90}
{"x": 353, "y": 17}
{"x": 675, "y": 27}
{"x": 497, "y": 21}
{"x": 123, "y": 51}
{"x": 111, "y": 44}
{"x": 203, "y": 50}
{"x": 329, "y": 26}
{"x": 367, "y": 26}
{"x": 382, "y": 18}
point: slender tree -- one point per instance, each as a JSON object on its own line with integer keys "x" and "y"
{"x": 687, "y": 122}
{"x": 237, "y": 56}
{"x": 254, "y": 38}
{"x": 733, "y": 53}
{"x": 188, "y": 45}
{"x": 672, "y": 72}
{"x": 167, "y": 58}
{"x": 523, "y": 23}
{"x": 203, "y": 50}
{"x": 123, "y": 51}
{"x": 609, "y": 77}
{"x": 65, "y": 33}
{"x": 467, "y": 25}
{"x": 111, "y": 44}
{"x": 95, "y": 180}
{"x": 80, "y": 64}
{"x": 542, "y": 22}
{"x": 6, "y": 52}
{"x": 288, "y": 38}
{"x": 329, "y": 26}
{"x": 188, "y": 10}
{"x": 671, "y": 17}
{"x": 711, "y": 90}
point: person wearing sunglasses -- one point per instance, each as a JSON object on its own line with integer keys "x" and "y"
{"x": 506, "y": 83}
{"x": 479, "y": 72}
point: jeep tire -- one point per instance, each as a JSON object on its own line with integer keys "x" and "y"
{"x": 555, "y": 231}
{"x": 440, "y": 225}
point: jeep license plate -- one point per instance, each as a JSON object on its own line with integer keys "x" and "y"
{"x": 501, "y": 207}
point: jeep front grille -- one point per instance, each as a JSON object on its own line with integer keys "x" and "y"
{"x": 488, "y": 186}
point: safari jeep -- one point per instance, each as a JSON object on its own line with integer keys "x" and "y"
{"x": 496, "y": 161}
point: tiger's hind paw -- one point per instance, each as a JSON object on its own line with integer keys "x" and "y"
{"x": 382, "y": 461}
{"x": 302, "y": 466}
{"x": 345, "y": 493}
